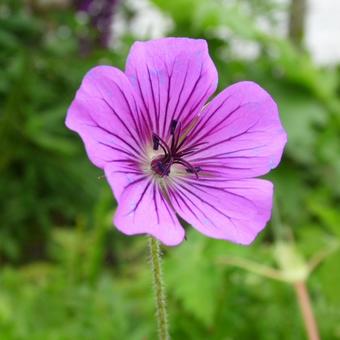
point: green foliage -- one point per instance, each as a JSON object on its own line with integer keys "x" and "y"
{"x": 52, "y": 308}
{"x": 200, "y": 279}
{"x": 67, "y": 274}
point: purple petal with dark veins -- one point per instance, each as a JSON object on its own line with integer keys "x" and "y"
{"x": 242, "y": 131}
{"x": 174, "y": 77}
{"x": 142, "y": 209}
{"x": 104, "y": 113}
{"x": 230, "y": 210}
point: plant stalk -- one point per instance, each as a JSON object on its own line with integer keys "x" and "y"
{"x": 307, "y": 310}
{"x": 159, "y": 289}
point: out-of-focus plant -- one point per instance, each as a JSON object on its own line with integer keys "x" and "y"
{"x": 293, "y": 269}
{"x": 41, "y": 184}
{"x": 45, "y": 205}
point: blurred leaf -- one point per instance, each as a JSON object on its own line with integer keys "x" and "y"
{"x": 320, "y": 205}
{"x": 302, "y": 116}
{"x": 194, "y": 279}
{"x": 330, "y": 278}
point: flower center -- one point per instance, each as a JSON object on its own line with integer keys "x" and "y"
{"x": 161, "y": 165}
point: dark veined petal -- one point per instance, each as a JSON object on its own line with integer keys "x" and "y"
{"x": 121, "y": 173}
{"x": 240, "y": 133}
{"x": 142, "y": 209}
{"x": 104, "y": 113}
{"x": 174, "y": 77}
{"x": 231, "y": 210}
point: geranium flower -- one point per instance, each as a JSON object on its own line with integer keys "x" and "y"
{"x": 167, "y": 151}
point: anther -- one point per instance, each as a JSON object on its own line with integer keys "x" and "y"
{"x": 193, "y": 170}
{"x": 173, "y": 126}
{"x": 155, "y": 140}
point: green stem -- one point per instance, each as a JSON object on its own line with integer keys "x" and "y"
{"x": 159, "y": 290}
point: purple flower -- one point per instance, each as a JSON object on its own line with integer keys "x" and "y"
{"x": 166, "y": 151}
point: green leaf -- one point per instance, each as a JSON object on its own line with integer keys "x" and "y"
{"x": 194, "y": 278}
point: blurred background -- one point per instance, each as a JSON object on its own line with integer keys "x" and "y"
{"x": 66, "y": 273}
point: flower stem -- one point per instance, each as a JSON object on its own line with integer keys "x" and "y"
{"x": 159, "y": 290}
{"x": 307, "y": 310}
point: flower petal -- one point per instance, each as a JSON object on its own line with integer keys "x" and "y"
{"x": 231, "y": 210}
{"x": 105, "y": 115}
{"x": 240, "y": 133}
{"x": 120, "y": 174}
{"x": 174, "y": 77}
{"x": 142, "y": 209}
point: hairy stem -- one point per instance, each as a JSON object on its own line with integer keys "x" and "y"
{"x": 307, "y": 310}
{"x": 159, "y": 290}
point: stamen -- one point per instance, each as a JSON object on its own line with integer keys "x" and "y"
{"x": 175, "y": 136}
{"x": 158, "y": 141}
{"x": 172, "y": 154}
{"x": 155, "y": 140}
{"x": 173, "y": 126}
{"x": 194, "y": 169}
{"x": 189, "y": 168}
